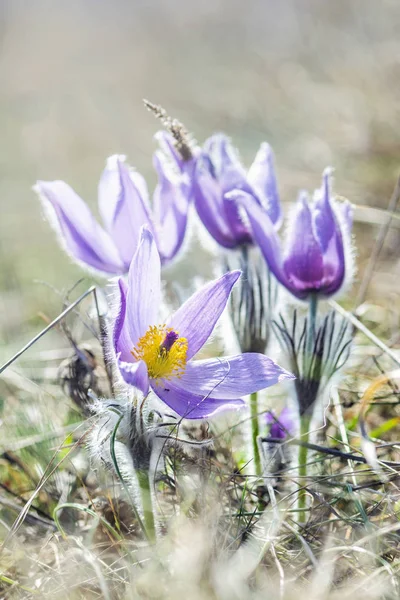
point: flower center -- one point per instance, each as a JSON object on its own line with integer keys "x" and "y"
{"x": 163, "y": 351}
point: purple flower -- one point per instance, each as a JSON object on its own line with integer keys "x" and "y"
{"x": 315, "y": 259}
{"x": 218, "y": 171}
{"x": 159, "y": 356}
{"x": 280, "y": 427}
{"x": 124, "y": 208}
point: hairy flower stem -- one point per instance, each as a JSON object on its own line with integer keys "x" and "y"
{"x": 312, "y": 317}
{"x": 305, "y": 421}
{"x": 145, "y": 492}
{"x": 255, "y": 432}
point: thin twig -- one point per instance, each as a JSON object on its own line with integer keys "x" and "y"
{"x": 342, "y": 429}
{"x": 371, "y": 336}
{"x": 380, "y": 240}
{"x": 331, "y": 451}
{"x": 46, "y": 329}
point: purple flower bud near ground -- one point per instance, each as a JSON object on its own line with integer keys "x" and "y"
{"x": 281, "y": 426}
{"x": 159, "y": 356}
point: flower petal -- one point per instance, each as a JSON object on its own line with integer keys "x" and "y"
{"x": 264, "y": 234}
{"x": 262, "y": 178}
{"x": 135, "y": 374}
{"x": 189, "y": 405}
{"x": 209, "y": 204}
{"x": 196, "y": 319}
{"x": 325, "y": 223}
{"x": 329, "y": 236}
{"x": 122, "y": 206}
{"x": 228, "y": 169}
{"x": 237, "y": 226}
{"x": 231, "y": 377}
{"x": 83, "y": 237}
{"x": 303, "y": 265}
{"x": 171, "y": 206}
{"x": 122, "y": 342}
{"x": 167, "y": 145}
{"x": 144, "y": 289}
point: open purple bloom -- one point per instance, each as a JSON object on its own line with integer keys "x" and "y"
{"x": 218, "y": 171}
{"x": 282, "y": 426}
{"x": 314, "y": 259}
{"x": 124, "y": 208}
{"x": 159, "y": 356}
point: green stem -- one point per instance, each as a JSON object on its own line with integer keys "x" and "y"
{"x": 305, "y": 421}
{"x": 255, "y": 432}
{"x": 145, "y": 492}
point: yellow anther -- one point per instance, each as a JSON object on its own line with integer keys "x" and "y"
{"x": 161, "y": 363}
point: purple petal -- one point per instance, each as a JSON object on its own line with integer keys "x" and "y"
{"x": 228, "y": 168}
{"x": 324, "y": 219}
{"x": 167, "y": 145}
{"x": 221, "y": 153}
{"x": 123, "y": 344}
{"x": 196, "y": 319}
{"x": 262, "y": 178}
{"x": 167, "y": 181}
{"x": 329, "y": 236}
{"x": 238, "y": 228}
{"x": 209, "y": 204}
{"x": 303, "y": 265}
{"x": 135, "y": 374}
{"x": 264, "y": 234}
{"x": 122, "y": 206}
{"x": 229, "y": 173}
{"x": 231, "y": 377}
{"x": 171, "y": 206}
{"x": 172, "y": 230}
{"x": 84, "y": 238}
{"x": 189, "y": 405}
{"x": 144, "y": 290}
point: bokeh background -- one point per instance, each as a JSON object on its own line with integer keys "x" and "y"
{"x": 318, "y": 79}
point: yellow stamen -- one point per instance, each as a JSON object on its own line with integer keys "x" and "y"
{"x": 161, "y": 362}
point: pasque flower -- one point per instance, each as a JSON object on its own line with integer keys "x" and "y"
{"x": 124, "y": 208}
{"x": 217, "y": 172}
{"x": 158, "y": 354}
{"x": 316, "y": 258}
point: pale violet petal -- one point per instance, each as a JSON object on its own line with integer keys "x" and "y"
{"x": 196, "y": 319}
{"x": 83, "y": 238}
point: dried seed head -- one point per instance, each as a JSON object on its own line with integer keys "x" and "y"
{"x": 182, "y": 138}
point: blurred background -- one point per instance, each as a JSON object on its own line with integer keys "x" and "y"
{"x": 317, "y": 79}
